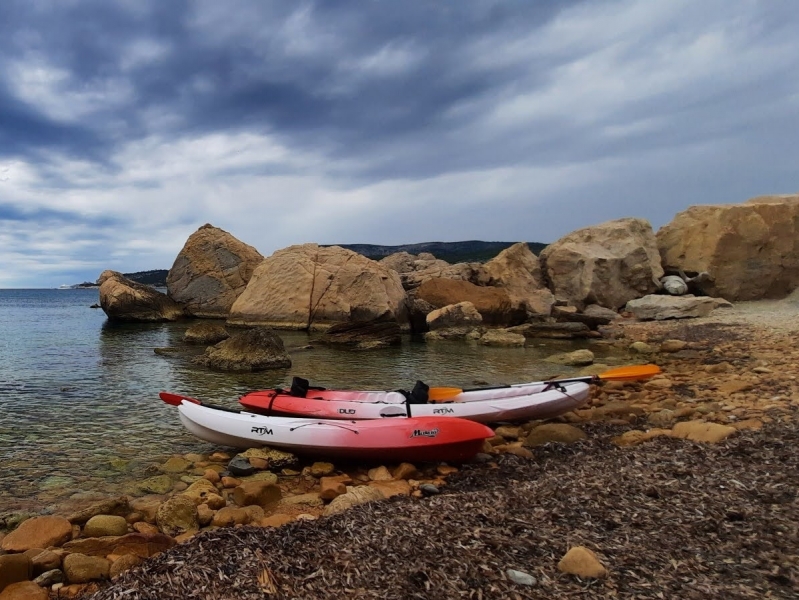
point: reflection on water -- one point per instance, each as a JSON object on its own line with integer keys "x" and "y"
{"x": 79, "y": 407}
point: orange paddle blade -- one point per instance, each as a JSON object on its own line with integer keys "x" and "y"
{"x": 630, "y": 373}
{"x": 437, "y": 394}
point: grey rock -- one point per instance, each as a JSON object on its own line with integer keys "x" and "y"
{"x": 520, "y": 577}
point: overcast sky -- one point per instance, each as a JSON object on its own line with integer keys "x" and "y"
{"x": 125, "y": 125}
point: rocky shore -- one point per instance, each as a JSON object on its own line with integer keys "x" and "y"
{"x": 680, "y": 486}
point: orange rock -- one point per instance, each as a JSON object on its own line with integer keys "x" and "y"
{"x": 331, "y": 487}
{"x": 24, "y": 590}
{"x": 14, "y": 568}
{"x": 582, "y": 562}
{"x": 699, "y": 431}
{"x": 399, "y": 487}
{"x": 230, "y": 482}
{"x": 379, "y": 474}
{"x": 212, "y": 476}
{"x": 405, "y": 471}
{"x": 275, "y": 520}
{"x": 38, "y": 532}
{"x": 262, "y": 493}
{"x": 445, "y": 470}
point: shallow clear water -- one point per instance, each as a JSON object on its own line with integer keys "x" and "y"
{"x": 79, "y": 406}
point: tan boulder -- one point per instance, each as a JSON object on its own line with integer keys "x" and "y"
{"x": 518, "y": 270}
{"x": 313, "y": 287}
{"x": 140, "y": 544}
{"x": 462, "y": 314}
{"x": 405, "y": 471}
{"x": 230, "y": 516}
{"x": 494, "y": 304}
{"x": 654, "y": 307}
{"x": 380, "y": 473}
{"x": 211, "y": 272}
{"x": 354, "y": 496}
{"x": 200, "y": 490}
{"x": 405, "y": 262}
{"x": 38, "y": 532}
{"x": 177, "y": 515}
{"x": 80, "y": 568}
{"x": 43, "y": 560}
{"x": 554, "y": 432}
{"x": 101, "y": 525}
{"x": 399, "y": 487}
{"x": 14, "y": 568}
{"x": 750, "y": 250}
{"x": 122, "y": 564}
{"x": 582, "y": 562}
{"x": 699, "y": 431}
{"x": 321, "y": 469}
{"x": 331, "y": 487}
{"x": 24, "y": 590}
{"x": 124, "y": 300}
{"x": 247, "y": 350}
{"x": 276, "y": 520}
{"x": 113, "y": 506}
{"x": 259, "y": 493}
{"x": 607, "y": 264}
{"x": 471, "y": 272}
{"x": 311, "y": 499}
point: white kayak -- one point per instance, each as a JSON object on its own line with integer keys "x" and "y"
{"x": 412, "y": 439}
{"x": 540, "y": 400}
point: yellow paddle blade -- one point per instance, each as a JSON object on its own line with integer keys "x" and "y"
{"x": 437, "y": 394}
{"x": 630, "y": 373}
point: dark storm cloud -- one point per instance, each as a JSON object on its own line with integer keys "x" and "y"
{"x": 231, "y": 66}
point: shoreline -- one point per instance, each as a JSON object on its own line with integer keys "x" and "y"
{"x": 733, "y": 371}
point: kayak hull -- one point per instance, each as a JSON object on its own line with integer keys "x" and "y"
{"x": 422, "y": 439}
{"x": 537, "y": 401}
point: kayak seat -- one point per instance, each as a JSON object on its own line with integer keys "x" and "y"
{"x": 299, "y": 387}
{"x": 418, "y": 395}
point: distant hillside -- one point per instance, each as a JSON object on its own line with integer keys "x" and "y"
{"x": 452, "y": 252}
{"x": 156, "y": 278}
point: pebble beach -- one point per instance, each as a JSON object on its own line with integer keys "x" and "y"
{"x": 680, "y": 486}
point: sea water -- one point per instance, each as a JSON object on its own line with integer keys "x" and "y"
{"x": 80, "y": 415}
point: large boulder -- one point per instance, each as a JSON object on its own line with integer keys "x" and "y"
{"x": 126, "y": 300}
{"x": 211, "y": 271}
{"x": 494, "y": 304}
{"x": 607, "y": 264}
{"x": 246, "y": 350}
{"x": 313, "y": 287}
{"x": 405, "y": 262}
{"x": 471, "y": 272}
{"x": 750, "y": 250}
{"x": 660, "y": 307}
{"x": 518, "y": 270}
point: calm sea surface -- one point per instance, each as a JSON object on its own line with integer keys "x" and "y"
{"x": 80, "y": 415}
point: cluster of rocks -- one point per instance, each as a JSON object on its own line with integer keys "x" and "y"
{"x": 705, "y": 258}
{"x": 193, "y": 493}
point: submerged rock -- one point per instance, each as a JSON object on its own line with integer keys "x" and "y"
{"x": 256, "y": 349}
